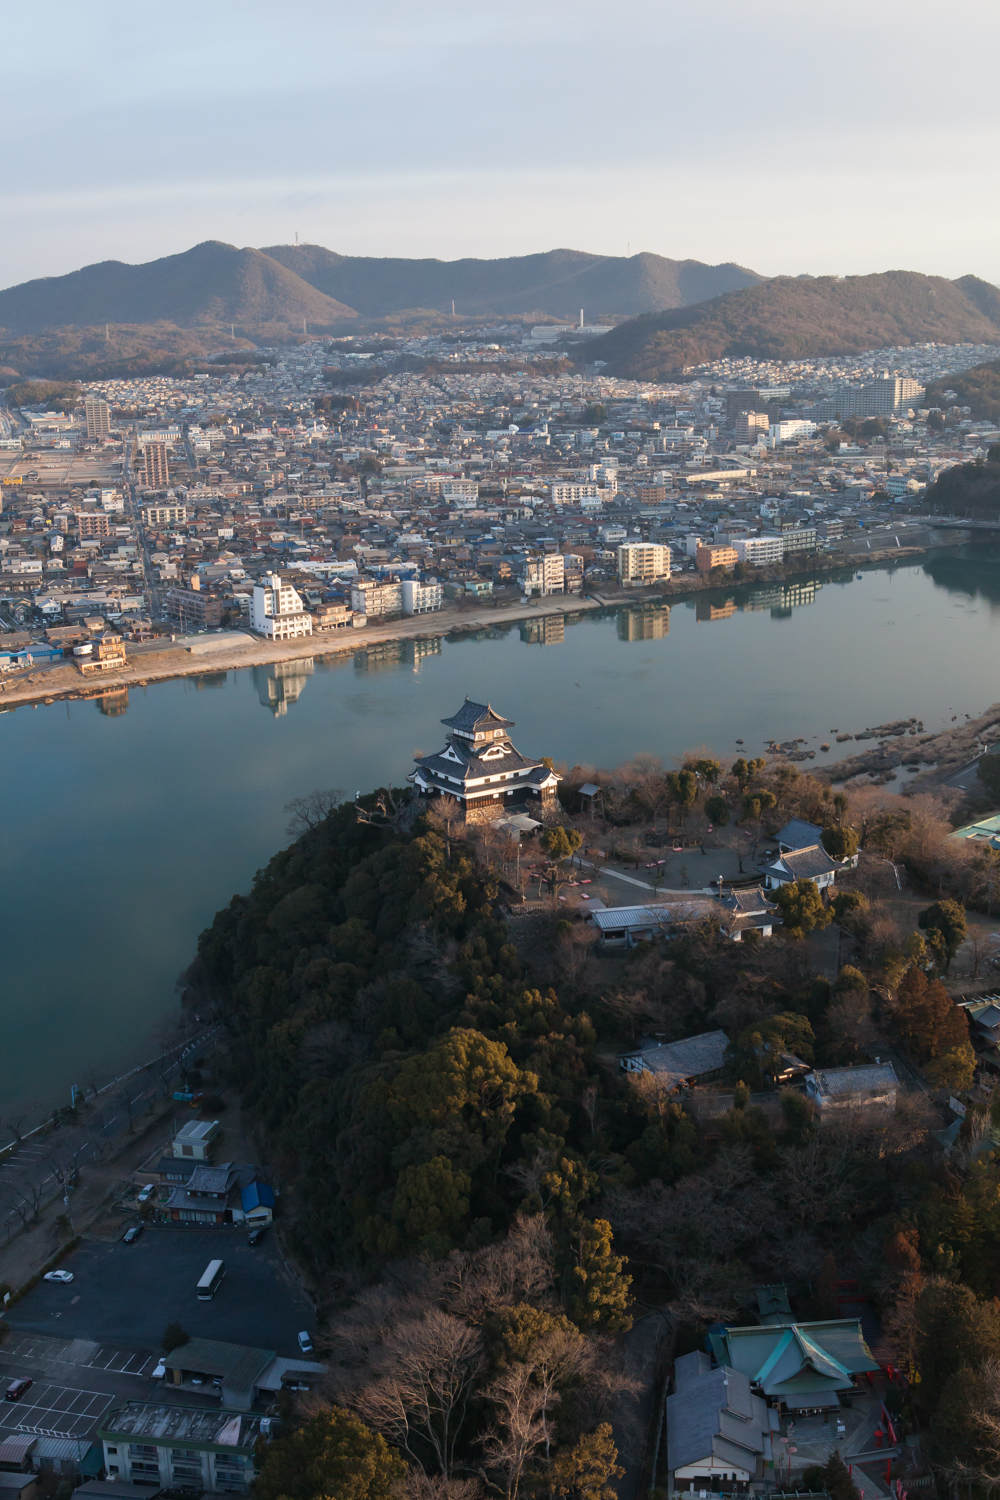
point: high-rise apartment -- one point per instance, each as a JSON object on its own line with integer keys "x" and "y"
{"x": 98, "y": 415}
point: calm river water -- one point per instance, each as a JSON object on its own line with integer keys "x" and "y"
{"x": 126, "y": 825}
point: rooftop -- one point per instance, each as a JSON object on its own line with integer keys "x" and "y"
{"x": 194, "y": 1426}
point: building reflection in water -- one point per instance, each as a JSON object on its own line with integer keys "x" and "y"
{"x": 650, "y": 622}
{"x": 705, "y": 610}
{"x": 782, "y": 598}
{"x": 281, "y": 683}
{"x": 387, "y": 656}
{"x": 549, "y": 630}
{"x": 114, "y": 704}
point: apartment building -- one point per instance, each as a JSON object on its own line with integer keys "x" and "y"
{"x": 277, "y": 611}
{"x": 545, "y": 574}
{"x": 798, "y": 539}
{"x": 651, "y": 494}
{"x": 421, "y": 598}
{"x": 155, "y": 472}
{"x": 760, "y": 551}
{"x": 93, "y": 524}
{"x": 462, "y": 492}
{"x": 571, "y": 494}
{"x": 707, "y": 558}
{"x": 164, "y": 513}
{"x": 371, "y": 598}
{"x": 750, "y": 425}
{"x": 98, "y": 416}
{"x": 193, "y": 610}
{"x": 146, "y": 1443}
{"x": 643, "y": 562}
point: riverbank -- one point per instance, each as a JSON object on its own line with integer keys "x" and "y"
{"x": 151, "y": 664}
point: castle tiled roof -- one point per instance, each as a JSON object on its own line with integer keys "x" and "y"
{"x": 476, "y": 716}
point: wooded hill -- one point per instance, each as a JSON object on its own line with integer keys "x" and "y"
{"x": 212, "y": 284}
{"x": 801, "y": 317}
{"x": 463, "y": 1164}
{"x": 978, "y": 388}
{"x": 557, "y": 283}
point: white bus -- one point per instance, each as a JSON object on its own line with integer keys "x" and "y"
{"x": 211, "y": 1280}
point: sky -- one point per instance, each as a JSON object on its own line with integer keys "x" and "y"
{"x": 785, "y": 136}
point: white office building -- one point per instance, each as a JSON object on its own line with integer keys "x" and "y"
{"x": 276, "y": 610}
{"x": 420, "y": 598}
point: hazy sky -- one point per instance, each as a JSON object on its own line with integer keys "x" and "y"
{"x": 786, "y": 136}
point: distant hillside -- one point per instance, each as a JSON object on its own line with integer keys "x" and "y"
{"x": 211, "y": 285}
{"x": 967, "y": 490}
{"x": 978, "y": 388}
{"x": 558, "y": 282}
{"x": 799, "y": 317}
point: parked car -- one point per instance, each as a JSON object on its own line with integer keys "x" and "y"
{"x": 17, "y": 1388}
{"x": 160, "y": 1370}
{"x": 305, "y": 1343}
{"x": 58, "y": 1276}
{"x": 256, "y": 1235}
{"x": 131, "y": 1235}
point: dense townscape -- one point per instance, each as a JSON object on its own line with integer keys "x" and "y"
{"x": 373, "y": 478}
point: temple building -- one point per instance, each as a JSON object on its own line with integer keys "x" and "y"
{"x": 483, "y": 771}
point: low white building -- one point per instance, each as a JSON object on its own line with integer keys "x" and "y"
{"x": 760, "y": 551}
{"x": 421, "y": 598}
{"x": 276, "y": 610}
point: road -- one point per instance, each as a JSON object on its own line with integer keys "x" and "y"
{"x": 42, "y": 1166}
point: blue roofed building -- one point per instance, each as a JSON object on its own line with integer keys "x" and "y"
{"x": 257, "y": 1203}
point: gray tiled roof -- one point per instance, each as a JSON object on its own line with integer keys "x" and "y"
{"x": 748, "y": 903}
{"x": 689, "y": 1058}
{"x": 805, "y": 864}
{"x": 472, "y": 716}
{"x": 870, "y": 1078}
{"x": 714, "y": 1413}
{"x": 798, "y": 834}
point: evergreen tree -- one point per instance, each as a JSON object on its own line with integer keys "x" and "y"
{"x": 333, "y": 1456}
{"x": 599, "y": 1287}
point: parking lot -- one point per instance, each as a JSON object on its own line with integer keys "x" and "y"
{"x": 123, "y": 1296}
{"x": 54, "y": 1411}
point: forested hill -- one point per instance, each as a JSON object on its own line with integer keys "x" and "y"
{"x": 803, "y": 316}
{"x": 211, "y": 285}
{"x": 475, "y": 1186}
{"x": 978, "y": 389}
{"x": 555, "y": 282}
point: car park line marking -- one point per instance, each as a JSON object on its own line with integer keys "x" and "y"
{"x": 78, "y": 1410}
{"x": 120, "y": 1361}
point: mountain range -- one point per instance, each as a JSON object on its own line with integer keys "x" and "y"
{"x": 677, "y": 312}
{"x": 218, "y": 284}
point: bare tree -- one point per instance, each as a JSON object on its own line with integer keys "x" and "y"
{"x": 444, "y": 815}
{"x": 428, "y": 1369}
{"x": 309, "y": 811}
{"x": 520, "y": 1424}
{"x": 520, "y": 1269}
{"x": 15, "y": 1118}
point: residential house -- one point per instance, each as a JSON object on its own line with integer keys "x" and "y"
{"x": 868, "y": 1086}
{"x": 798, "y": 834}
{"x": 675, "y": 1065}
{"x": 257, "y": 1204}
{"x": 803, "y": 1367}
{"x": 812, "y": 863}
{"x": 718, "y": 1431}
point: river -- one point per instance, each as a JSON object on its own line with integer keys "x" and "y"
{"x": 128, "y": 821}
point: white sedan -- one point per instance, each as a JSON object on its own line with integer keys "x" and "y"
{"x": 58, "y": 1276}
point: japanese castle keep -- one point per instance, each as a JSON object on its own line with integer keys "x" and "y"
{"x": 482, "y": 770}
